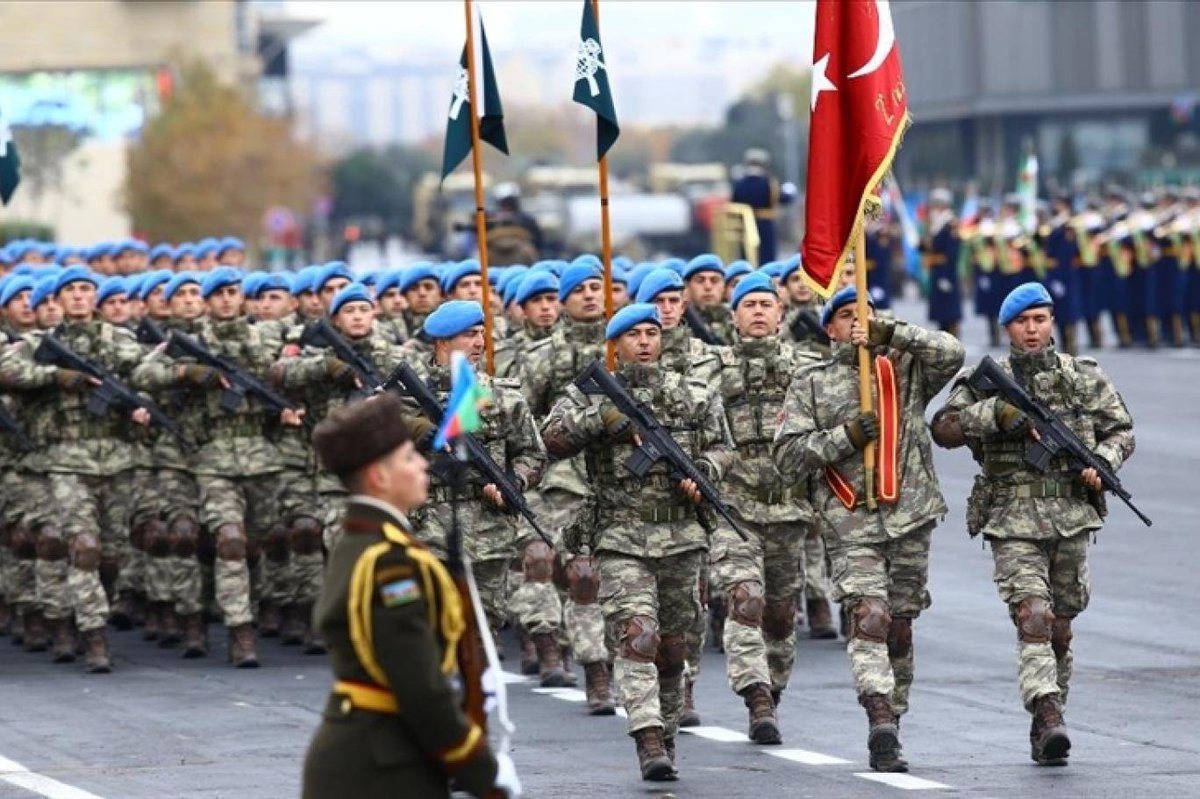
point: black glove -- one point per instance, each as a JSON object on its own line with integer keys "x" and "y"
{"x": 70, "y": 380}
{"x": 198, "y": 375}
{"x": 863, "y": 430}
{"x": 1011, "y": 420}
{"x": 616, "y": 424}
{"x": 879, "y": 332}
{"x": 340, "y": 372}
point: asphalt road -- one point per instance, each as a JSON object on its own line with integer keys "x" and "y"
{"x": 163, "y": 727}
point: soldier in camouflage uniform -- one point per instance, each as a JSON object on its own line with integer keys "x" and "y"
{"x": 759, "y": 577}
{"x": 390, "y": 319}
{"x": 1038, "y": 523}
{"x": 705, "y": 279}
{"x": 649, "y": 542}
{"x": 88, "y": 459}
{"x": 537, "y": 297}
{"x": 547, "y": 366}
{"x": 422, "y": 292}
{"x": 880, "y": 557}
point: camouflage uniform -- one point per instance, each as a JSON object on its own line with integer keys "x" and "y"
{"x": 511, "y": 351}
{"x": 719, "y": 319}
{"x": 392, "y": 328}
{"x": 1038, "y": 524}
{"x": 648, "y": 539}
{"x": 880, "y": 560}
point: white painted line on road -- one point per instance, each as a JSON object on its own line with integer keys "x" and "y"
{"x": 905, "y": 782}
{"x": 622, "y": 713}
{"x": 566, "y": 694}
{"x": 717, "y": 734}
{"x": 512, "y": 679}
{"x": 14, "y": 773}
{"x": 806, "y": 757}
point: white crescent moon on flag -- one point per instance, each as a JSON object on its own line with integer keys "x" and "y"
{"x": 885, "y": 43}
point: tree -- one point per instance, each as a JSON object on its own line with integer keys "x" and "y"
{"x": 211, "y": 164}
{"x": 374, "y": 187}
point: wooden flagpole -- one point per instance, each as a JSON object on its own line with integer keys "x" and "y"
{"x": 865, "y": 403}
{"x": 606, "y": 234}
{"x": 480, "y": 213}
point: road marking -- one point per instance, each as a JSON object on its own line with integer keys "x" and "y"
{"x": 566, "y": 694}
{"x": 806, "y": 757}
{"x": 717, "y": 734}
{"x": 16, "y": 774}
{"x": 905, "y": 782}
{"x": 512, "y": 679}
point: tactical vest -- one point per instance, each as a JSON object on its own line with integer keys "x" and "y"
{"x": 754, "y": 393}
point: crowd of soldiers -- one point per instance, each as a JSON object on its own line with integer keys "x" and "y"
{"x": 1121, "y": 265}
{"x": 113, "y": 517}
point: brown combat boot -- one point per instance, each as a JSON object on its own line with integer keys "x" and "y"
{"x": 153, "y": 619}
{"x": 652, "y": 755}
{"x": 313, "y": 643}
{"x": 529, "y": 654}
{"x": 123, "y": 612}
{"x": 36, "y": 638}
{"x": 62, "y": 650}
{"x": 550, "y": 660}
{"x": 688, "y": 717}
{"x": 571, "y": 679}
{"x": 764, "y": 725}
{"x": 195, "y": 636}
{"x": 97, "y": 659}
{"x": 241, "y": 647}
{"x": 269, "y": 619}
{"x": 170, "y": 632}
{"x": 17, "y": 628}
{"x": 291, "y": 627}
{"x": 1049, "y": 744}
{"x": 883, "y": 741}
{"x": 820, "y": 620}
{"x": 599, "y": 689}
{"x": 6, "y": 616}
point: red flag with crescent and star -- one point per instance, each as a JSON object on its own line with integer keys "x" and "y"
{"x": 859, "y": 115}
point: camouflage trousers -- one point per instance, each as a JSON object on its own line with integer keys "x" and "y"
{"x": 765, "y": 571}
{"x": 292, "y": 570}
{"x": 27, "y": 505}
{"x": 651, "y": 601}
{"x": 95, "y": 538}
{"x": 250, "y": 503}
{"x": 1055, "y": 570}
{"x": 896, "y": 572}
{"x": 814, "y": 568}
{"x": 491, "y": 579}
{"x": 173, "y": 572}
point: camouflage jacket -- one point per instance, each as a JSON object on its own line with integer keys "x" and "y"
{"x": 510, "y": 352}
{"x": 392, "y": 328}
{"x": 156, "y": 376}
{"x": 823, "y": 398}
{"x": 1084, "y": 398}
{"x": 644, "y": 517}
{"x": 78, "y": 442}
{"x": 35, "y": 411}
{"x": 719, "y": 319}
{"x": 806, "y": 332}
{"x": 752, "y": 377}
{"x": 681, "y": 352}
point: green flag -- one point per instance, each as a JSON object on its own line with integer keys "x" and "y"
{"x": 10, "y": 163}
{"x": 591, "y": 82}
{"x": 458, "y": 123}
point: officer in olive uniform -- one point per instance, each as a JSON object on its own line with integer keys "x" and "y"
{"x": 393, "y": 617}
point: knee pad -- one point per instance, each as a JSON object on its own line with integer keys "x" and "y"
{"x": 21, "y": 542}
{"x": 537, "y": 562}
{"x": 583, "y": 581}
{"x": 871, "y": 620}
{"x": 50, "y": 543}
{"x": 155, "y": 539}
{"x": 746, "y": 604}
{"x": 184, "y": 534}
{"x": 639, "y": 639}
{"x": 231, "y": 542}
{"x": 1060, "y": 637}
{"x": 85, "y": 553}
{"x": 900, "y": 638}
{"x": 1034, "y": 620}
{"x": 779, "y": 619}
{"x": 277, "y": 544}
{"x": 672, "y": 656}
{"x": 306, "y": 536}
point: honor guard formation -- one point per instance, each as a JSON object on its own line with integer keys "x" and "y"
{"x": 163, "y": 481}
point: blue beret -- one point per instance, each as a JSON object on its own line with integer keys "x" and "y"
{"x": 575, "y": 274}
{"x": 369, "y": 278}
{"x": 789, "y": 266}
{"x": 638, "y": 274}
{"x": 304, "y": 279}
{"x": 110, "y": 288}
{"x": 497, "y": 273}
{"x": 118, "y": 247}
{"x": 588, "y": 258}
{"x": 513, "y": 274}
{"x": 160, "y": 250}
{"x": 208, "y": 243}
{"x": 387, "y": 281}
{"x": 772, "y": 269}
{"x": 218, "y": 279}
{"x": 737, "y": 269}
{"x": 676, "y": 265}
{"x": 13, "y": 286}
{"x": 631, "y": 315}
{"x": 622, "y": 262}
{"x": 453, "y": 317}
{"x": 42, "y": 272}
{"x": 355, "y": 292}
{"x": 24, "y": 269}
{"x": 844, "y": 296}
{"x": 753, "y": 282}
{"x": 536, "y": 283}
{"x": 181, "y": 279}
{"x": 417, "y": 272}
{"x": 133, "y": 284}
{"x": 231, "y": 243}
{"x": 252, "y": 284}
{"x": 620, "y": 276}
{"x": 657, "y": 282}
{"x": 557, "y": 267}
{"x": 329, "y": 271}
{"x": 1022, "y": 298}
{"x": 275, "y": 281}
{"x": 458, "y": 272}
{"x": 138, "y": 246}
{"x": 707, "y": 262}
{"x": 74, "y": 274}
{"x": 153, "y": 280}
{"x": 184, "y": 250}
{"x": 42, "y": 291}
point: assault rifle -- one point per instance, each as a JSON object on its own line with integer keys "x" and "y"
{"x": 109, "y": 390}
{"x": 700, "y": 328}
{"x": 805, "y": 325}
{"x": 149, "y": 332}
{"x": 1054, "y": 437}
{"x": 321, "y": 334}
{"x": 657, "y": 442}
{"x": 404, "y": 380}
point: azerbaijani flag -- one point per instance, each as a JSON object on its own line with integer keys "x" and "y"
{"x": 466, "y": 397}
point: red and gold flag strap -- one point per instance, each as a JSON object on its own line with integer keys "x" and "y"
{"x": 887, "y": 464}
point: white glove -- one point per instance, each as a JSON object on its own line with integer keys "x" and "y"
{"x": 506, "y": 776}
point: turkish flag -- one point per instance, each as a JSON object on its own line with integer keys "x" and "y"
{"x": 859, "y": 114}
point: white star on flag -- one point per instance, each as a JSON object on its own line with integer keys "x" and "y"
{"x": 820, "y": 81}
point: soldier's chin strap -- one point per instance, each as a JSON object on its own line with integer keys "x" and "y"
{"x": 494, "y": 689}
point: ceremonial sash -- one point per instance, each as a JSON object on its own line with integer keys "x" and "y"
{"x": 887, "y": 452}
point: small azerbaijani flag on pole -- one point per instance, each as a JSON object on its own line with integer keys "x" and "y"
{"x": 466, "y": 397}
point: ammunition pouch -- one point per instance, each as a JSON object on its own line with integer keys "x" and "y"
{"x": 979, "y": 505}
